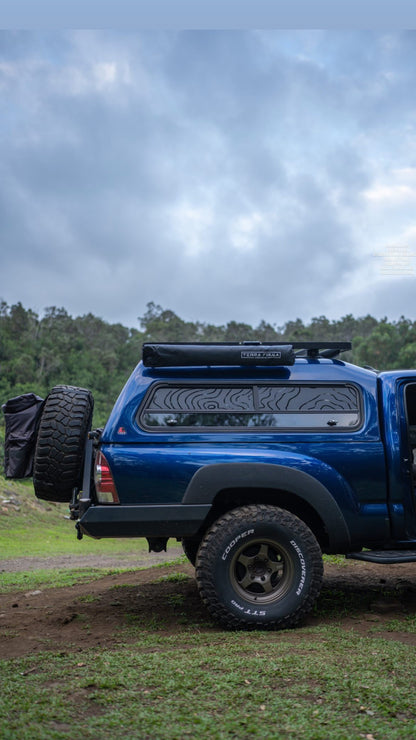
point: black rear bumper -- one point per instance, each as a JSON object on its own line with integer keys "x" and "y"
{"x": 174, "y": 520}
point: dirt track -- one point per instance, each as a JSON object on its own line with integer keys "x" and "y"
{"x": 359, "y": 596}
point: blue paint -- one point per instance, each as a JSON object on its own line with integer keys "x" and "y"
{"x": 362, "y": 469}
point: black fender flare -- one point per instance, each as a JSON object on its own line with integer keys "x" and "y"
{"x": 210, "y": 479}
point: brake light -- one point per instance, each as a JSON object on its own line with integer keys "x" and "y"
{"x": 104, "y": 482}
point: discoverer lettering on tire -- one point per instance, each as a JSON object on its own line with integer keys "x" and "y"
{"x": 259, "y": 566}
{"x": 303, "y": 566}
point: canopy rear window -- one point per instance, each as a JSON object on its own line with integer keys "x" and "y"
{"x": 277, "y": 406}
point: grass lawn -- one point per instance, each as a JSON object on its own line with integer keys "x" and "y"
{"x": 35, "y": 528}
{"x": 193, "y": 680}
{"x": 317, "y": 683}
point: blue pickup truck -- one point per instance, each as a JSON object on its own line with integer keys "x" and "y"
{"x": 258, "y": 458}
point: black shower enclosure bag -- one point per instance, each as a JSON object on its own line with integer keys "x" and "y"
{"x": 22, "y": 415}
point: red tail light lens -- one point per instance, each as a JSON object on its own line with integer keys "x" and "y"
{"x": 104, "y": 482}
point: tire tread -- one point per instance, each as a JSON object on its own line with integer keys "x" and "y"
{"x": 205, "y": 565}
{"x": 59, "y": 453}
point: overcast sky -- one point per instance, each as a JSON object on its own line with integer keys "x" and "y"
{"x": 241, "y": 175}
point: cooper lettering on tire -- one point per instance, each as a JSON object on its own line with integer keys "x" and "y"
{"x": 59, "y": 453}
{"x": 259, "y": 566}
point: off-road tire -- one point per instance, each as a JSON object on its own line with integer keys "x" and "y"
{"x": 60, "y": 445}
{"x": 190, "y": 548}
{"x": 259, "y": 567}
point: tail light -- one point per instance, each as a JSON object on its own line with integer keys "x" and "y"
{"x": 104, "y": 482}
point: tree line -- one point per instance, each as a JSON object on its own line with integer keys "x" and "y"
{"x": 37, "y": 353}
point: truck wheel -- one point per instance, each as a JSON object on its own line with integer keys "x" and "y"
{"x": 259, "y": 567}
{"x": 60, "y": 445}
{"x": 190, "y": 548}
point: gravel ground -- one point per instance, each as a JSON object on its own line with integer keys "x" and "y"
{"x": 144, "y": 560}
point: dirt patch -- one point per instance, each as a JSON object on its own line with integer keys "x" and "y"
{"x": 359, "y": 596}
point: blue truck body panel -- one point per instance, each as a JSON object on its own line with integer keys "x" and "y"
{"x": 365, "y": 470}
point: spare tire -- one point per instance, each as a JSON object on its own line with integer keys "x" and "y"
{"x": 60, "y": 445}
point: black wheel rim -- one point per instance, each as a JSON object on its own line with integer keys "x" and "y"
{"x": 261, "y": 571}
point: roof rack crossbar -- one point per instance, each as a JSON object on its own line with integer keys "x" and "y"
{"x": 322, "y": 349}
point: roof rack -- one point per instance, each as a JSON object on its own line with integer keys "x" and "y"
{"x": 322, "y": 349}
{"x": 237, "y": 353}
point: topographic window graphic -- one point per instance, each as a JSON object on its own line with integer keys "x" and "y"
{"x": 278, "y": 406}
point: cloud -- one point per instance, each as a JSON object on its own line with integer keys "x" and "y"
{"x": 224, "y": 175}
{"x": 399, "y": 188}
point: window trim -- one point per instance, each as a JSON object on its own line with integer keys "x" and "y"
{"x": 139, "y": 416}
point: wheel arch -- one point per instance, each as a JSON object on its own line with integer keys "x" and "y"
{"x": 227, "y": 486}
